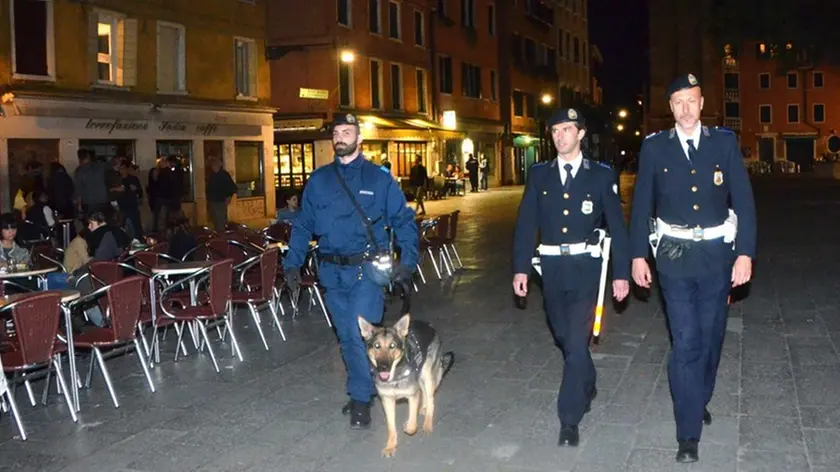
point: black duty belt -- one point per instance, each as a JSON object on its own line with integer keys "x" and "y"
{"x": 353, "y": 260}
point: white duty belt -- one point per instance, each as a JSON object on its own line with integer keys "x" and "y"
{"x": 574, "y": 249}
{"x": 728, "y": 230}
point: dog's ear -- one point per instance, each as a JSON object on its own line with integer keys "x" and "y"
{"x": 402, "y": 325}
{"x": 365, "y": 328}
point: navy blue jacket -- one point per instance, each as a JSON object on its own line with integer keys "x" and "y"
{"x": 327, "y": 212}
{"x": 681, "y": 192}
{"x": 561, "y": 220}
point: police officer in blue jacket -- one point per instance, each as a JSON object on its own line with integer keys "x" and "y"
{"x": 566, "y": 201}
{"x": 345, "y": 251}
{"x": 703, "y": 246}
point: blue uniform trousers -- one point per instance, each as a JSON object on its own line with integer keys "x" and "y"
{"x": 347, "y": 297}
{"x": 697, "y": 309}
{"x": 571, "y": 314}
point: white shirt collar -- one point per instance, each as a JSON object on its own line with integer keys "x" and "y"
{"x": 694, "y": 135}
{"x": 575, "y": 166}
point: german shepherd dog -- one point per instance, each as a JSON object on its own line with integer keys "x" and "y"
{"x": 407, "y": 363}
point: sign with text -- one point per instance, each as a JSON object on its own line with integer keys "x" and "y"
{"x": 169, "y": 128}
{"x": 316, "y": 94}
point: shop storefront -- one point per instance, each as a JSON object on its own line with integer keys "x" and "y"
{"x": 47, "y": 130}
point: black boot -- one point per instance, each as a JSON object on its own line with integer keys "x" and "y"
{"x": 687, "y": 451}
{"x": 359, "y": 415}
{"x": 569, "y": 435}
{"x": 348, "y": 407}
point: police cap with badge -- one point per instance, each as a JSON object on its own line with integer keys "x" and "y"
{"x": 566, "y": 115}
{"x": 683, "y": 82}
{"x": 344, "y": 119}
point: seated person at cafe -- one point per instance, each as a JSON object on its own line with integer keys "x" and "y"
{"x": 290, "y": 211}
{"x": 76, "y": 254}
{"x": 39, "y": 213}
{"x": 12, "y": 256}
{"x": 178, "y": 235}
{"x": 106, "y": 239}
{"x": 10, "y": 252}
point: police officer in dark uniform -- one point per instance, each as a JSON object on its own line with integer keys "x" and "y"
{"x": 566, "y": 200}
{"x": 354, "y": 286}
{"x": 687, "y": 176}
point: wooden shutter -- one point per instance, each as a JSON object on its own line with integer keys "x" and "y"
{"x": 253, "y": 69}
{"x": 93, "y": 45}
{"x": 127, "y": 47}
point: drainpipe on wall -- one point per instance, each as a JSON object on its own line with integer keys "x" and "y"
{"x": 433, "y": 66}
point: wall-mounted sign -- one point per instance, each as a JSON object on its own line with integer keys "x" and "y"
{"x": 169, "y": 128}
{"x": 310, "y": 124}
{"x": 315, "y": 94}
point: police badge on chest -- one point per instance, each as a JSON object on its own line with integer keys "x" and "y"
{"x": 586, "y": 206}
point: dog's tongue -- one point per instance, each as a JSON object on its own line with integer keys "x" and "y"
{"x": 384, "y": 375}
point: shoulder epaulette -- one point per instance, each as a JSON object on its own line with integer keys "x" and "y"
{"x": 653, "y": 134}
{"x": 602, "y": 164}
{"x": 537, "y": 165}
{"x": 724, "y": 129}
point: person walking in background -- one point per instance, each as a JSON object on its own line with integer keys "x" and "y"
{"x": 129, "y": 200}
{"x": 472, "y": 169}
{"x": 220, "y": 189}
{"x": 153, "y": 193}
{"x": 171, "y": 190}
{"x": 60, "y": 190}
{"x": 482, "y": 172}
{"x": 418, "y": 180}
{"x": 90, "y": 180}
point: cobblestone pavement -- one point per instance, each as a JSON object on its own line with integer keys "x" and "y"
{"x": 776, "y": 407}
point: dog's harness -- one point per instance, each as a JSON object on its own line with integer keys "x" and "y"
{"x": 417, "y": 343}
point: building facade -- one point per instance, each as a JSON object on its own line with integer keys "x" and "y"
{"x": 544, "y": 51}
{"x": 139, "y": 80}
{"x": 681, "y": 47}
{"x": 434, "y": 78}
{"x": 370, "y": 58}
{"x": 780, "y": 114}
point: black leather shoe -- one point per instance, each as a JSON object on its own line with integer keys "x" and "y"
{"x": 592, "y": 395}
{"x": 687, "y": 451}
{"x": 359, "y": 415}
{"x": 348, "y": 407}
{"x": 569, "y": 435}
{"x": 707, "y": 417}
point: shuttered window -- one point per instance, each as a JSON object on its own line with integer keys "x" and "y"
{"x": 112, "y": 48}
{"x": 171, "y": 58}
{"x": 245, "y": 52}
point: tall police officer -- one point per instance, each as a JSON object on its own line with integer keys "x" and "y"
{"x": 688, "y": 174}
{"x": 353, "y": 286}
{"x": 566, "y": 200}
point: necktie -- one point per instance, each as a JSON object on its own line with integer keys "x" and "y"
{"x": 692, "y": 151}
{"x": 568, "y": 183}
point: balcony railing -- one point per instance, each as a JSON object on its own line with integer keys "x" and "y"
{"x": 730, "y": 64}
{"x": 732, "y": 123}
{"x": 731, "y": 95}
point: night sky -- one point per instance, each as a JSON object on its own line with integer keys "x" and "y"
{"x": 619, "y": 29}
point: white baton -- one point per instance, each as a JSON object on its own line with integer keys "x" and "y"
{"x": 599, "y": 308}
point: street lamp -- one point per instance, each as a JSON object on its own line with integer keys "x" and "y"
{"x": 638, "y": 133}
{"x": 546, "y": 100}
{"x": 347, "y": 56}
{"x": 622, "y": 113}
{"x": 620, "y": 127}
